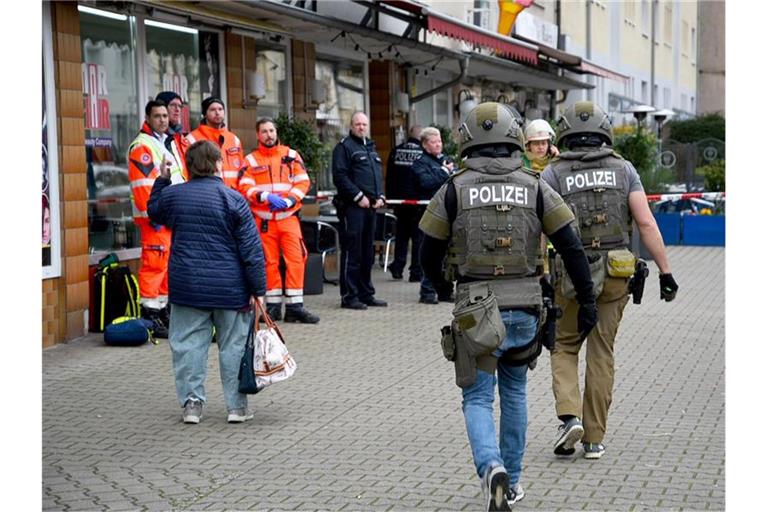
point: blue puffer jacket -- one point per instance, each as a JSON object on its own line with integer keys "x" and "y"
{"x": 217, "y": 261}
{"x": 430, "y": 173}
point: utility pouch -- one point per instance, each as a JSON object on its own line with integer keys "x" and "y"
{"x": 465, "y": 363}
{"x": 478, "y": 319}
{"x": 621, "y": 263}
{"x": 596, "y": 269}
{"x": 447, "y": 343}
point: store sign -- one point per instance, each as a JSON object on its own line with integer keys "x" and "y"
{"x": 95, "y": 93}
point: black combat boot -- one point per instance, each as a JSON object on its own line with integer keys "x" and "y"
{"x": 297, "y": 313}
{"x": 275, "y": 311}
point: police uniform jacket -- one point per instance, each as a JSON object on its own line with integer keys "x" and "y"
{"x": 401, "y": 183}
{"x": 430, "y": 172}
{"x": 357, "y": 170}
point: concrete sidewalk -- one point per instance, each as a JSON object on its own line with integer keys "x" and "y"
{"x": 372, "y": 419}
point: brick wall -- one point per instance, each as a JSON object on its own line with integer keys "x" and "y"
{"x": 65, "y": 299}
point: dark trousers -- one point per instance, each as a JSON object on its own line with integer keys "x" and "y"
{"x": 356, "y": 227}
{"x": 408, "y": 217}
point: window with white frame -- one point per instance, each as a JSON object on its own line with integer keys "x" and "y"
{"x": 685, "y": 43}
{"x": 644, "y": 91}
{"x": 51, "y": 234}
{"x": 668, "y": 23}
{"x": 693, "y": 44}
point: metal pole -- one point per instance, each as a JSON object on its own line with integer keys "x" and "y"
{"x": 653, "y": 52}
{"x": 590, "y": 92}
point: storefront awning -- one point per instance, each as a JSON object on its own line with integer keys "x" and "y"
{"x": 451, "y": 27}
{"x": 594, "y": 69}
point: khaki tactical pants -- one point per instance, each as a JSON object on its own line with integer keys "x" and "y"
{"x": 598, "y": 382}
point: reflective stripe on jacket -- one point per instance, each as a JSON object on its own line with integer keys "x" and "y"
{"x": 276, "y": 170}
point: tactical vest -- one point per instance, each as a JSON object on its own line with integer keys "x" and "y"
{"x": 594, "y": 185}
{"x": 496, "y": 234}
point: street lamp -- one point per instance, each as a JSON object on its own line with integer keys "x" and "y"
{"x": 640, "y": 112}
{"x": 466, "y": 102}
{"x": 660, "y": 116}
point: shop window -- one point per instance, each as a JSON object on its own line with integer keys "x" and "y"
{"x": 425, "y": 111}
{"x": 345, "y": 94}
{"x": 183, "y": 60}
{"x": 111, "y": 123}
{"x": 443, "y": 109}
{"x": 270, "y": 82}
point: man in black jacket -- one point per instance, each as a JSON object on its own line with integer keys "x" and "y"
{"x": 358, "y": 180}
{"x": 401, "y": 184}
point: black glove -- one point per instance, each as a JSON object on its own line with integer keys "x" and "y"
{"x": 587, "y": 319}
{"x": 667, "y": 287}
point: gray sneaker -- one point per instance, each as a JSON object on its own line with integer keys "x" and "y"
{"x": 568, "y": 434}
{"x": 239, "y": 415}
{"x": 516, "y": 493}
{"x": 496, "y": 488}
{"x": 593, "y": 450}
{"x": 193, "y": 411}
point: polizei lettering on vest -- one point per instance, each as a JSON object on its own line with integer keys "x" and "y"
{"x": 498, "y": 193}
{"x": 589, "y": 180}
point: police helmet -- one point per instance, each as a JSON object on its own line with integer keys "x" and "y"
{"x": 539, "y": 129}
{"x": 584, "y": 117}
{"x": 490, "y": 124}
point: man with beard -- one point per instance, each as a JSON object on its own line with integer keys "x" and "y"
{"x": 274, "y": 183}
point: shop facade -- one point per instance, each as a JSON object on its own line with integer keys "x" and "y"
{"x": 102, "y": 61}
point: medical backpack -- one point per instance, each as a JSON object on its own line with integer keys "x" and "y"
{"x": 116, "y": 293}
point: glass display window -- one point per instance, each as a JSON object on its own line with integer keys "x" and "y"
{"x": 111, "y": 123}
{"x": 183, "y": 60}
{"x": 345, "y": 94}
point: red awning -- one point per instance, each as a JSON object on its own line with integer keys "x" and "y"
{"x": 588, "y": 67}
{"x": 470, "y": 34}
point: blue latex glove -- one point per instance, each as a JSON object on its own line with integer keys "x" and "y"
{"x": 276, "y": 202}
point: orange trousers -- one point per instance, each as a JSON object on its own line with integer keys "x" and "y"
{"x": 284, "y": 236}
{"x": 155, "y": 252}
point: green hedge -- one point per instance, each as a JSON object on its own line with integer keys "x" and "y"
{"x": 711, "y": 126}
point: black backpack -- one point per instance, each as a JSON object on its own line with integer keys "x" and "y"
{"x": 116, "y": 293}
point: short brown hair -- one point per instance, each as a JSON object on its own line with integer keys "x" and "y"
{"x": 265, "y": 120}
{"x": 201, "y": 158}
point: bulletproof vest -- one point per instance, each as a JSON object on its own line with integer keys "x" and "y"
{"x": 496, "y": 233}
{"x": 595, "y": 187}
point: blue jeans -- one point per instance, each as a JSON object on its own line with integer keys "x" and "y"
{"x": 478, "y": 404}
{"x": 190, "y": 337}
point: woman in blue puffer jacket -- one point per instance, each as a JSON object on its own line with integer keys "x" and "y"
{"x": 216, "y": 269}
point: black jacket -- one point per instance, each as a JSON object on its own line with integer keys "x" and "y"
{"x": 401, "y": 183}
{"x": 429, "y": 174}
{"x": 357, "y": 170}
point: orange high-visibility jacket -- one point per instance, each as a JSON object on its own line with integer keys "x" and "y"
{"x": 276, "y": 170}
{"x": 231, "y": 150}
{"x": 145, "y": 157}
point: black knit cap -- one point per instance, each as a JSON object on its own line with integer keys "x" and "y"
{"x": 207, "y": 102}
{"x": 167, "y": 97}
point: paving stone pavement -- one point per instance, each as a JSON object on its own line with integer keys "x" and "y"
{"x": 372, "y": 419}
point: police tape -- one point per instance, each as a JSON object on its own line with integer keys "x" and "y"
{"x": 711, "y": 196}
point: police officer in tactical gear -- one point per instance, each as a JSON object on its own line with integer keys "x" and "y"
{"x": 401, "y": 184}
{"x": 488, "y": 219}
{"x": 605, "y": 195}
{"x": 358, "y": 179}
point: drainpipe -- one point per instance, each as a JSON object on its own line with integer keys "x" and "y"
{"x": 653, "y": 52}
{"x": 463, "y": 64}
{"x": 590, "y": 92}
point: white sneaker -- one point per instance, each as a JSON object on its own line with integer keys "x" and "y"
{"x": 516, "y": 493}
{"x": 495, "y": 488}
{"x": 239, "y": 415}
{"x": 193, "y": 411}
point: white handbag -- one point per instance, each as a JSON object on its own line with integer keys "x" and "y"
{"x": 271, "y": 360}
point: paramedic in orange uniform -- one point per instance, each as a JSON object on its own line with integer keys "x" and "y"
{"x": 147, "y": 154}
{"x": 274, "y": 181}
{"x": 212, "y": 128}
